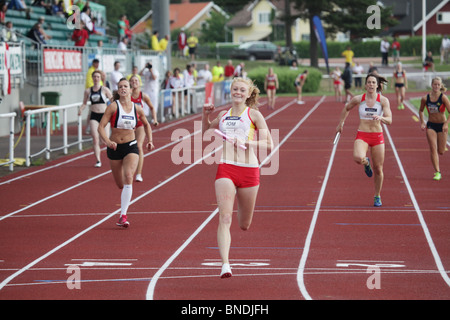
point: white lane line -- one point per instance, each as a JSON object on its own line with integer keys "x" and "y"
{"x": 436, "y": 256}
{"x": 33, "y": 263}
{"x": 301, "y": 267}
{"x": 152, "y": 285}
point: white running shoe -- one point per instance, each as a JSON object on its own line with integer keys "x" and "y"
{"x": 226, "y": 271}
{"x": 98, "y": 164}
{"x": 139, "y": 178}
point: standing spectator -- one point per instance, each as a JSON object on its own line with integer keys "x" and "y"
{"x": 372, "y": 68}
{"x": 348, "y": 54}
{"x": 358, "y": 71}
{"x": 86, "y": 17}
{"x": 239, "y": 71}
{"x": 192, "y": 43}
{"x": 94, "y": 67}
{"x": 123, "y": 45}
{"x": 181, "y": 42}
{"x": 176, "y": 82}
{"x": 396, "y": 50}
{"x": 151, "y": 83}
{"x": 8, "y": 34}
{"x": 204, "y": 76}
{"x": 347, "y": 77}
{"x": 445, "y": 47}
{"x": 229, "y": 70}
{"x": 80, "y": 36}
{"x": 135, "y": 72}
{"x": 218, "y": 72}
{"x": 165, "y": 85}
{"x": 155, "y": 42}
{"x": 384, "y": 49}
{"x": 3, "y": 9}
{"x": 189, "y": 81}
{"x": 115, "y": 76}
{"x": 121, "y": 25}
{"x": 163, "y": 43}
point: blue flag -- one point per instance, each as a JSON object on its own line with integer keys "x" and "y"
{"x": 320, "y": 35}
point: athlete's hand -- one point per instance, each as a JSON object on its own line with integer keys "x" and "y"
{"x": 208, "y": 108}
{"x": 150, "y": 146}
{"x": 423, "y": 126}
{"x": 112, "y": 145}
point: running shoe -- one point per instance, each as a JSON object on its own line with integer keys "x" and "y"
{"x": 226, "y": 271}
{"x": 368, "y": 168}
{"x": 139, "y": 178}
{"x": 123, "y": 222}
{"x": 377, "y": 201}
{"x": 98, "y": 164}
{"x": 401, "y": 107}
{"x": 437, "y": 176}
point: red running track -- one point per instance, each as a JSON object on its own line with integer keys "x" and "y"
{"x": 315, "y": 234}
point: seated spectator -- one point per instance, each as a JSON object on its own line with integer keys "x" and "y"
{"x": 80, "y": 36}
{"x": 17, "y": 5}
{"x": 42, "y": 23}
{"x": 3, "y": 9}
{"x": 43, "y": 4}
{"x": 8, "y": 33}
{"x": 428, "y": 63}
{"x": 35, "y": 34}
{"x": 57, "y": 8}
{"x": 123, "y": 45}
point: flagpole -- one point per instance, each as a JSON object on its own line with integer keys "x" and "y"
{"x": 424, "y": 30}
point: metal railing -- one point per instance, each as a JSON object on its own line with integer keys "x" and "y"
{"x": 47, "y": 112}
{"x": 11, "y": 117}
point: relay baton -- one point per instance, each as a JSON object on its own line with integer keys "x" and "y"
{"x": 336, "y": 139}
{"x": 220, "y": 133}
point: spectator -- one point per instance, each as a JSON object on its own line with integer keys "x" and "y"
{"x": 155, "y": 42}
{"x": 123, "y": 44}
{"x": 396, "y": 50}
{"x": 3, "y": 9}
{"x": 128, "y": 32}
{"x": 445, "y": 47}
{"x": 165, "y": 85}
{"x": 163, "y": 43}
{"x": 189, "y": 82}
{"x": 358, "y": 71}
{"x": 86, "y": 18}
{"x": 57, "y": 8}
{"x": 181, "y": 42}
{"x": 151, "y": 83}
{"x": 347, "y": 77}
{"x": 122, "y": 26}
{"x": 192, "y": 43}
{"x": 115, "y": 76}
{"x": 372, "y": 68}
{"x": 134, "y": 72}
{"x": 384, "y": 49}
{"x": 42, "y": 23}
{"x": 93, "y": 67}
{"x": 176, "y": 82}
{"x": 428, "y": 63}
{"x": 36, "y": 35}
{"x": 43, "y": 4}
{"x": 348, "y": 54}
{"x": 204, "y": 76}
{"x": 218, "y": 72}
{"x": 229, "y": 70}
{"x": 239, "y": 71}
{"x": 17, "y": 5}
{"x": 8, "y": 34}
{"x": 80, "y": 36}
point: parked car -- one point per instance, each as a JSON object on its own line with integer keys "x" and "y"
{"x": 255, "y": 50}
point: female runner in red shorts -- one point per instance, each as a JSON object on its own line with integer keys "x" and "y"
{"x": 238, "y": 173}
{"x": 271, "y": 87}
{"x": 374, "y": 109}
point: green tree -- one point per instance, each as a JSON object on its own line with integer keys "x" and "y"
{"x": 213, "y": 29}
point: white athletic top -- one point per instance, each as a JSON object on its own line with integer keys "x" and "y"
{"x": 240, "y": 126}
{"x": 123, "y": 120}
{"x": 366, "y": 112}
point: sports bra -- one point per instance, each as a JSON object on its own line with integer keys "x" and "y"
{"x": 123, "y": 120}
{"x": 435, "y": 107}
{"x": 366, "y": 112}
{"x": 240, "y": 126}
{"x": 97, "y": 97}
{"x": 399, "y": 74}
{"x": 271, "y": 77}
{"x": 142, "y": 103}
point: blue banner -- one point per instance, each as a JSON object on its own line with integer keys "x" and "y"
{"x": 320, "y": 35}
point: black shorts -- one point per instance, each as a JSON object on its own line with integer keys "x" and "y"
{"x": 122, "y": 150}
{"x": 399, "y": 85}
{"x": 96, "y": 116}
{"x": 435, "y": 126}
